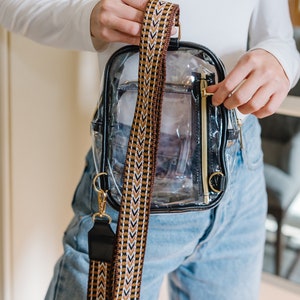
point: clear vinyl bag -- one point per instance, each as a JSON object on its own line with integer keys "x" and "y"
{"x": 192, "y": 168}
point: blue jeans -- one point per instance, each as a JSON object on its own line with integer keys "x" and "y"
{"x": 212, "y": 255}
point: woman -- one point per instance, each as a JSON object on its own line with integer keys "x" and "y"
{"x": 215, "y": 254}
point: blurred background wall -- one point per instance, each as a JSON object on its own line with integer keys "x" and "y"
{"x": 47, "y": 97}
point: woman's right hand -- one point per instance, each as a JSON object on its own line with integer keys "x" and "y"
{"x": 117, "y": 21}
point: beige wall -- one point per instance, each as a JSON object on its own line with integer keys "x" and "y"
{"x": 4, "y": 158}
{"x": 47, "y": 97}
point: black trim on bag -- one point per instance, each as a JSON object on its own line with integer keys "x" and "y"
{"x": 101, "y": 121}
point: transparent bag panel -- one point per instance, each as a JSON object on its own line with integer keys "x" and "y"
{"x": 177, "y": 179}
{"x": 173, "y": 180}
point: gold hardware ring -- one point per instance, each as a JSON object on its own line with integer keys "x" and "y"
{"x": 218, "y": 173}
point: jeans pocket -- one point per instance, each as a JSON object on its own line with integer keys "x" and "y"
{"x": 252, "y": 151}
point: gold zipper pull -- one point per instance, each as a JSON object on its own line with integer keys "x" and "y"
{"x": 204, "y": 93}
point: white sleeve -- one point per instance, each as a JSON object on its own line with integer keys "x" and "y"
{"x": 57, "y": 23}
{"x": 271, "y": 30}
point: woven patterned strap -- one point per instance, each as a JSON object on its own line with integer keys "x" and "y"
{"x": 99, "y": 280}
{"x": 122, "y": 278}
{"x": 142, "y": 146}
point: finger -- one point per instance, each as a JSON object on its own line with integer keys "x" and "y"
{"x": 265, "y": 101}
{"x": 249, "y": 62}
{"x": 245, "y": 91}
{"x": 238, "y": 96}
{"x": 257, "y": 102}
{"x": 125, "y": 26}
{"x": 270, "y": 107}
{"x": 267, "y": 97}
{"x": 110, "y": 22}
{"x": 131, "y": 13}
{"x": 212, "y": 88}
{"x": 138, "y": 4}
{"x": 231, "y": 83}
{"x": 275, "y": 100}
{"x": 115, "y": 15}
{"x": 117, "y": 36}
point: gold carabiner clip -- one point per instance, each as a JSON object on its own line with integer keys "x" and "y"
{"x": 102, "y": 197}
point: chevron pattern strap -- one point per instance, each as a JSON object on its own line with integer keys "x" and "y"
{"x": 99, "y": 280}
{"x": 142, "y": 147}
{"x": 122, "y": 278}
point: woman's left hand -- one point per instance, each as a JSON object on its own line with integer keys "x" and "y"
{"x": 257, "y": 85}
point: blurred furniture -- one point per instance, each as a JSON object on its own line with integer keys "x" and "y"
{"x": 290, "y": 106}
{"x": 281, "y": 147}
{"x": 295, "y": 91}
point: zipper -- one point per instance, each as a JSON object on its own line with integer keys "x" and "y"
{"x": 204, "y": 141}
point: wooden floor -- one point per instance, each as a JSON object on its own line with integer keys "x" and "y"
{"x": 272, "y": 287}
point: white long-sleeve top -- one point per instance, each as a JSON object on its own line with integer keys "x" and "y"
{"x": 227, "y": 27}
